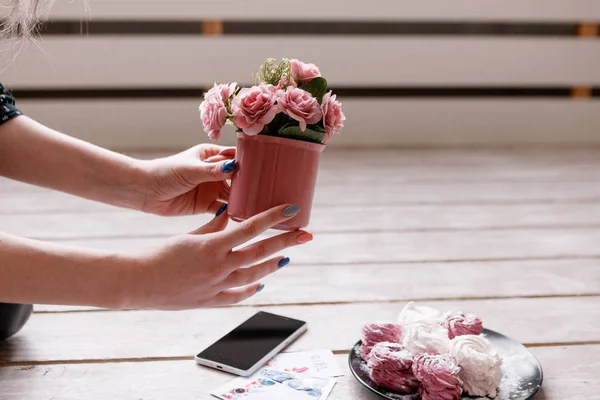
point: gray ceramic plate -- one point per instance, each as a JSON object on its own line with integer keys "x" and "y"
{"x": 522, "y": 377}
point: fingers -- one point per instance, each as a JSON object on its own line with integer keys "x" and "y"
{"x": 207, "y": 150}
{"x": 217, "y": 224}
{"x": 225, "y": 188}
{"x": 258, "y": 224}
{"x": 247, "y": 276}
{"x": 228, "y": 152}
{"x": 234, "y": 296}
{"x": 224, "y": 192}
{"x": 214, "y": 172}
{"x": 218, "y": 158}
{"x": 266, "y": 247}
{"x": 217, "y": 206}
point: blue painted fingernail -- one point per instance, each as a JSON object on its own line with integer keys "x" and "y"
{"x": 221, "y": 210}
{"x": 229, "y": 166}
{"x": 260, "y": 288}
{"x": 284, "y": 262}
{"x": 291, "y": 210}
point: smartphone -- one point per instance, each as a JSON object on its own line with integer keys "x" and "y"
{"x": 251, "y": 344}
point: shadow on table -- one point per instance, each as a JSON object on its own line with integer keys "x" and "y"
{"x": 12, "y": 347}
{"x": 540, "y": 395}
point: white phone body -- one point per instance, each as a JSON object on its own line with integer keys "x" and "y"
{"x": 258, "y": 363}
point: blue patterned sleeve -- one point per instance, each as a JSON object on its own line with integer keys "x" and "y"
{"x": 8, "y": 110}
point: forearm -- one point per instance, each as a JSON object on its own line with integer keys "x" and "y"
{"x": 35, "y": 154}
{"x": 33, "y": 272}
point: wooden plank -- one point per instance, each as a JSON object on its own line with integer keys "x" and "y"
{"x": 124, "y": 335}
{"x": 212, "y": 27}
{"x": 569, "y": 372}
{"x": 82, "y": 62}
{"x": 140, "y": 124}
{"x": 582, "y": 92}
{"x": 383, "y": 282}
{"x": 323, "y": 220}
{"x": 351, "y": 194}
{"x": 449, "y": 165}
{"x": 566, "y": 372}
{"x": 427, "y": 10}
{"x": 394, "y": 247}
{"x": 589, "y": 30}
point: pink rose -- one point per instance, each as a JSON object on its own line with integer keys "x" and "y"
{"x": 333, "y": 117}
{"x": 285, "y": 82}
{"x": 254, "y": 107}
{"x": 300, "y": 105}
{"x": 302, "y": 72}
{"x": 222, "y": 91}
{"x": 213, "y": 110}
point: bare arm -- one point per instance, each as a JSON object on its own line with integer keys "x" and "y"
{"x": 42, "y": 273}
{"x": 194, "y": 270}
{"x": 35, "y": 154}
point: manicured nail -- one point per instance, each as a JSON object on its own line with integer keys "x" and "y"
{"x": 260, "y": 288}
{"x": 284, "y": 262}
{"x": 304, "y": 238}
{"x": 291, "y": 210}
{"x": 221, "y": 210}
{"x": 229, "y": 166}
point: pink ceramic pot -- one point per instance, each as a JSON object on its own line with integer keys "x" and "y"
{"x": 271, "y": 171}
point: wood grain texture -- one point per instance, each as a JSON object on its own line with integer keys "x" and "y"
{"x": 569, "y": 373}
{"x": 582, "y": 92}
{"x": 410, "y": 247}
{"x": 132, "y": 62}
{"x": 426, "y": 166}
{"x": 540, "y": 285}
{"x": 140, "y": 124}
{"x": 125, "y": 335}
{"x": 588, "y": 30}
{"x": 351, "y": 194}
{"x": 212, "y": 27}
{"x": 323, "y": 220}
{"x": 387, "y": 282}
{"x": 410, "y": 10}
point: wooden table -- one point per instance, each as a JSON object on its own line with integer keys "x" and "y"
{"x": 511, "y": 236}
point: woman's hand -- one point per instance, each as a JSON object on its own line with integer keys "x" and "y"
{"x": 187, "y": 183}
{"x": 201, "y": 269}
{"x": 191, "y": 182}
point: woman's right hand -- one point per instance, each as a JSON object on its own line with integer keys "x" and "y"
{"x": 201, "y": 269}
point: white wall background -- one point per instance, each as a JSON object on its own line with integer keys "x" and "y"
{"x": 154, "y": 61}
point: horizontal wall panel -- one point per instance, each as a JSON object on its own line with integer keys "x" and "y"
{"x": 484, "y": 10}
{"x": 273, "y": 28}
{"x": 174, "y": 123}
{"x": 139, "y": 61}
{"x": 342, "y": 92}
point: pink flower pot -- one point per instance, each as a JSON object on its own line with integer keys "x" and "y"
{"x": 271, "y": 171}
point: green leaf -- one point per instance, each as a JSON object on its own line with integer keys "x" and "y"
{"x": 316, "y": 128}
{"x": 294, "y": 132}
{"x": 317, "y": 87}
{"x": 274, "y": 126}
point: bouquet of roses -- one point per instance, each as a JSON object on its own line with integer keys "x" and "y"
{"x": 290, "y": 99}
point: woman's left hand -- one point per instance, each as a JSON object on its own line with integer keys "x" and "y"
{"x": 191, "y": 182}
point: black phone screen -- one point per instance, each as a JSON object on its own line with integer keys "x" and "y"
{"x": 247, "y": 344}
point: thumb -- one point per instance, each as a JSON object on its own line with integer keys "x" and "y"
{"x": 216, "y": 171}
{"x": 217, "y": 224}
